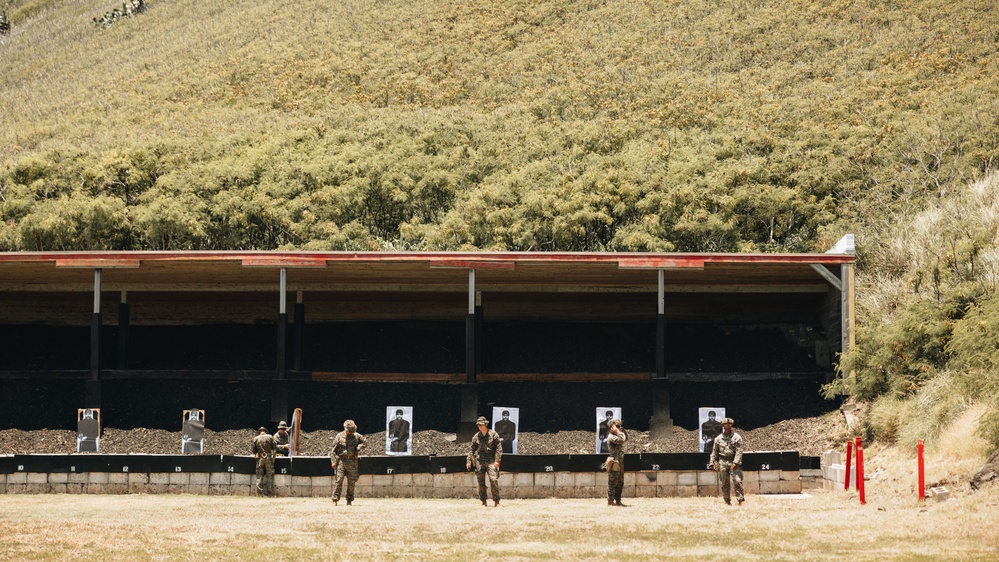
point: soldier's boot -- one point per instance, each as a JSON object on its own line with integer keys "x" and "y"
{"x": 610, "y": 502}
{"x": 728, "y": 501}
{"x": 618, "y": 503}
{"x": 334, "y": 501}
{"x": 741, "y": 500}
{"x": 496, "y": 503}
{"x": 349, "y": 502}
{"x": 485, "y": 503}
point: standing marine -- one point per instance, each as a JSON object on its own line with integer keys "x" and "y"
{"x": 485, "y": 455}
{"x": 283, "y": 440}
{"x": 347, "y": 445}
{"x": 615, "y": 461}
{"x": 726, "y": 458}
{"x": 264, "y": 448}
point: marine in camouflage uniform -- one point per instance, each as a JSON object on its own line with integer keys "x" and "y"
{"x": 726, "y": 458}
{"x": 283, "y": 440}
{"x": 347, "y": 445}
{"x": 615, "y": 461}
{"x": 485, "y": 455}
{"x": 263, "y": 450}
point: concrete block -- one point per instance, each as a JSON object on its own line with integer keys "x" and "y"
{"x": 38, "y": 478}
{"x": 687, "y": 478}
{"x": 591, "y": 492}
{"x": 322, "y": 481}
{"x": 423, "y": 479}
{"x": 564, "y": 492}
{"x": 707, "y": 478}
{"x": 199, "y": 478}
{"x": 362, "y": 480}
{"x": 646, "y": 491}
{"x": 647, "y": 478}
{"x": 138, "y": 478}
{"x": 16, "y": 488}
{"x": 709, "y": 491}
{"x": 282, "y": 480}
{"x": 36, "y": 488}
{"x": 686, "y": 491}
{"x": 506, "y": 480}
{"x": 97, "y": 478}
{"x": 465, "y": 480}
{"x": 790, "y": 486}
{"x": 118, "y": 478}
{"x": 402, "y": 480}
{"x": 767, "y": 475}
{"x": 17, "y": 478}
{"x": 235, "y": 490}
{"x": 301, "y": 481}
{"x": 940, "y": 493}
{"x": 324, "y": 491}
{"x": 442, "y": 481}
{"x": 441, "y": 492}
{"x": 565, "y": 479}
{"x": 666, "y": 491}
{"x": 811, "y": 484}
{"x": 77, "y": 477}
{"x": 381, "y": 479}
{"x": 95, "y": 488}
{"x": 770, "y": 487}
{"x": 220, "y": 479}
{"x": 751, "y": 487}
{"x": 179, "y": 478}
{"x": 138, "y": 488}
{"x": 753, "y": 477}
{"x": 630, "y": 479}
{"x": 159, "y": 478}
{"x": 423, "y": 491}
{"x": 219, "y": 490}
{"x": 56, "y": 478}
{"x": 585, "y": 479}
{"x": 544, "y": 479}
{"x": 300, "y": 491}
{"x": 75, "y": 488}
{"x": 523, "y": 479}
{"x": 58, "y": 488}
{"x": 239, "y": 479}
{"x": 790, "y": 475}
{"x": 666, "y": 478}
{"x": 118, "y": 489}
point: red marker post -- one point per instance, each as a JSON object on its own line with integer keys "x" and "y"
{"x": 860, "y": 471}
{"x": 920, "y": 473}
{"x": 849, "y": 455}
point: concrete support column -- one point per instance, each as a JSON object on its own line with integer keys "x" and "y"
{"x": 282, "y": 326}
{"x": 95, "y": 329}
{"x": 661, "y": 424}
{"x": 470, "y": 331}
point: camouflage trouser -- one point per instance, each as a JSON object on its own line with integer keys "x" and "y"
{"x": 265, "y": 476}
{"x": 493, "y": 474}
{"x": 346, "y": 468}
{"x": 727, "y": 476}
{"x": 615, "y": 484}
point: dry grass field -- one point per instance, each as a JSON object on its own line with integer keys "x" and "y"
{"x": 821, "y": 525}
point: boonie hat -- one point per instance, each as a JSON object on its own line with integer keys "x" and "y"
{"x": 262, "y": 430}
{"x": 727, "y": 421}
{"x": 282, "y": 425}
{"x": 481, "y": 421}
{"x": 349, "y": 425}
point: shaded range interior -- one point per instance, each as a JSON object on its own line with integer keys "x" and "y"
{"x": 426, "y": 347}
{"x": 46, "y": 403}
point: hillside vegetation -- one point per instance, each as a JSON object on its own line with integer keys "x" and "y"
{"x": 688, "y": 125}
{"x": 667, "y": 125}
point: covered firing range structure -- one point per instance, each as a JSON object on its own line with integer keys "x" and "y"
{"x": 470, "y": 321}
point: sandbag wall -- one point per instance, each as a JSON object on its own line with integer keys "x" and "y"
{"x": 523, "y": 476}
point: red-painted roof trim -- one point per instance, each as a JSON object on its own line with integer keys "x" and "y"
{"x": 458, "y": 259}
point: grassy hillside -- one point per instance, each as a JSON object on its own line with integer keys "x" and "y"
{"x": 553, "y": 125}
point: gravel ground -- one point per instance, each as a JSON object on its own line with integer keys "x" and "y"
{"x": 809, "y": 436}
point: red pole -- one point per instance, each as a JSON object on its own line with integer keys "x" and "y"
{"x": 849, "y": 455}
{"x": 919, "y": 463}
{"x": 860, "y": 471}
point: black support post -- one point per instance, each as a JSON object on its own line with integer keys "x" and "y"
{"x": 296, "y": 349}
{"x": 123, "y": 321}
{"x": 95, "y": 330}
{"x": 282, "y": 328}
{"x": 470, "y": 332}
